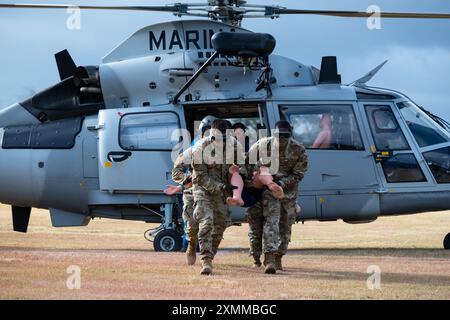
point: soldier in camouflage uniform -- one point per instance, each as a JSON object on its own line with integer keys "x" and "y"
{"x": 292, "y": 165}
{"x": 211, "y": 164}
{"x": 263, "y": 219}
{"x": 182, "y": 174}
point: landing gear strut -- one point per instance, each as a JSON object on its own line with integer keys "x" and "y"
{"x": 447, "y": 241}
{"x": 167, "y": 237}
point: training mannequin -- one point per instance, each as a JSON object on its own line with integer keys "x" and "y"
{"x": 323, "y": 140}
{"x": 261, "y": 179}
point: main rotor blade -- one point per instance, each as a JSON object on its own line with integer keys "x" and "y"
{"x": 361, "y": 14}
{"x": 169, "y": 8}
{"x": 269, "y": 11}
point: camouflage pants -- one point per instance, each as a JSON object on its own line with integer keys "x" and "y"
{"x": 287, "y": 219}
{"x": 212, "y": 215}
{"x": 263, "y": 219}
{"x": 188, "y": 217}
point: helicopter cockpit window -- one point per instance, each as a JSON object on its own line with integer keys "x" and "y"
{"x": 402, "y": 168}
{"x": 148, "y": 131}
{"x": 386, "y": 131}
{"x": 439, "y": 163}
{"x": 424, "y": 129}
{"x": 328, "y": 127}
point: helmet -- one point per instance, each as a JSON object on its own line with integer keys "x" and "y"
{"x": 284, "y": 129}
{"x": 207, "y": 121}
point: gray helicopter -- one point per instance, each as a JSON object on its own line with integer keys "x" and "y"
{"x": 98, "y": 144}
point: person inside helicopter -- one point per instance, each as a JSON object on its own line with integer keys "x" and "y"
{"x": 323, "y": 140}
{"x": 239, "y": 132}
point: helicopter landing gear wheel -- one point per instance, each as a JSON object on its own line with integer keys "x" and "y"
{"x": 447, "y": 241}
{"x": 167, "y": 240}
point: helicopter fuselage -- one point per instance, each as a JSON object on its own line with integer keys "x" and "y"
{"x": 114, "y": 157}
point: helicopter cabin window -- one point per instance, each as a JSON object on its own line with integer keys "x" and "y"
{"x": 328, "y": 127}
{"x": 424, "y": 129}
{"x": 439, "y": 163}
{"x": 386, "y": 131}
{"x": 148, "y": 131}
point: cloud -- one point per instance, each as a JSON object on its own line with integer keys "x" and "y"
{"x": 422, "y": 73}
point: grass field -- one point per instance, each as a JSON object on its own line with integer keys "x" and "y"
{"x": 326, "y": 261}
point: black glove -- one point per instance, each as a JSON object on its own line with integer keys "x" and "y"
{"x": 281, "y": 184}
{"x": 229, "y": 188}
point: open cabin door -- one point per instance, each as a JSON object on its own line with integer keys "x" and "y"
{"x": 134, "y": 149}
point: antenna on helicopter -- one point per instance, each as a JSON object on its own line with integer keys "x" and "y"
{"x": 232, "y": 12}
{"x": 361, "y": 82}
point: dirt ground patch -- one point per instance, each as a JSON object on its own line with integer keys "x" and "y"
{"x": 326, "y": 261}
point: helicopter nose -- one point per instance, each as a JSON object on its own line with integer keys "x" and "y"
{"x": 15, "y": 186}
{"x": 15, "y": 183}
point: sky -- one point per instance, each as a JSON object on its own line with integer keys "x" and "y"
{"x": 418, "y": 51}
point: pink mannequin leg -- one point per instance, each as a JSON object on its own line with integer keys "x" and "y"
{"x": 236, "y": 180}
{"x": 264, "y": 178}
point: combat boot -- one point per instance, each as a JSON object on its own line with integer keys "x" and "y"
{"x": 206, "y": 267}
{"x": 256, "y": 262}
{"x": 278, "y": 264}
{"x": 269, "y": 260}
{"x": 191, "y": 254}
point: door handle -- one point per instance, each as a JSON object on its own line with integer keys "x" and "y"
{"x": 381, "y": 156}
{"x": 118, "y": 156}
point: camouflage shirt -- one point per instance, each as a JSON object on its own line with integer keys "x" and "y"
{"x": 292, "y": 162}
{"x": 210, "y": 165}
